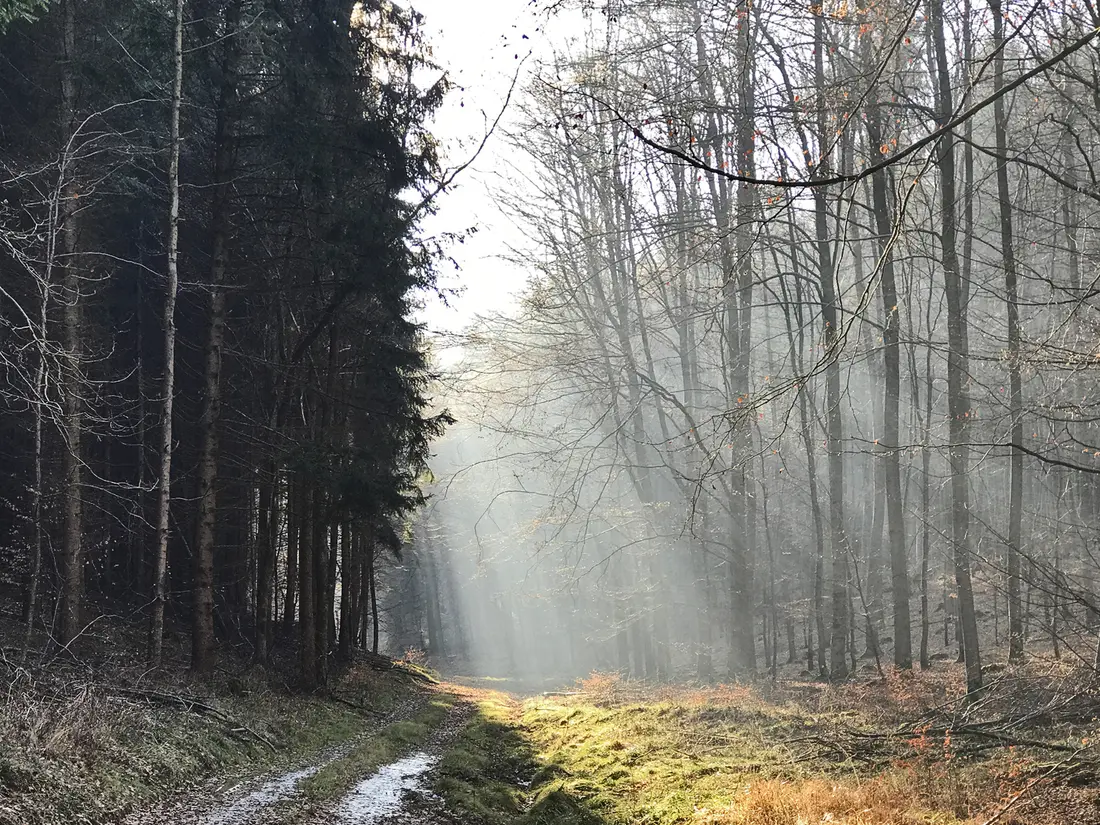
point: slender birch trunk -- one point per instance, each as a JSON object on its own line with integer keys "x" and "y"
{"x": 164, "y": 483}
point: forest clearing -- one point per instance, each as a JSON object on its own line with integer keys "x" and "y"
{"x": 623, "y": 412}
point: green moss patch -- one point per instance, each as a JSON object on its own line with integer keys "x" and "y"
{"x": 492, "y": 775}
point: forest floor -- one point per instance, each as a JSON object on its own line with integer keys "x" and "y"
{"x": 391, "y": 747}
{"x": 892, "y": 750}
{"x": 98, "y": 738}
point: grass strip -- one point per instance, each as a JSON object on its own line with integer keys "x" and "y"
{"x": 385, "y": 746}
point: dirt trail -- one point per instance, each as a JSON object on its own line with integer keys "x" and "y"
{"x": 245, "y": 799}
{"x": 397, "y": 793}
{"x": 400, "y": 793}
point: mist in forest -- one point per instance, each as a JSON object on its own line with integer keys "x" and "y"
{"x": 800, "y": 378}
{"x": 801, "y": 372}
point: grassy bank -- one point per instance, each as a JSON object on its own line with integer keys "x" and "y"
{"x": 79, "y": 750}
{"x": 729, "y": 756}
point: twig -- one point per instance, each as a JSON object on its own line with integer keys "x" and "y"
{"x": 1019, "y": 795}
{"x": 194, "y": 705}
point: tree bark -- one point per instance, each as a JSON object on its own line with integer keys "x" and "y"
{"x": 347, "y": 582}
{"x": 841, "y": 623}
{"x": 373, "y": 598}
{"x": 267, "y": 546}
{"x": 30, "y": 603}
{"x": 1015, "y": 402}
{"x": 293, "y": 537}
{"x": 72, "y": 593}
{"x": 202, "y": 626}
{"x": 168, "y": 385}
{"x": 436, "y": 643}
{"x": 958, "y": 401}
{"x": 889, "y": 449}
{"x": 307, "y": 614}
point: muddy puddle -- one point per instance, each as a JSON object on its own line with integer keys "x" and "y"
{"x": 383, "y": 793}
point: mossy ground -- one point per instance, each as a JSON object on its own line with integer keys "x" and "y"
{"x": 721, "y": 756}
{"x": 491, "y": 774}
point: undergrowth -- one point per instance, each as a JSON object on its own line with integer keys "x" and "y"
{"x": 729, "y": 757}
{"x": 83, "y": 751}
{"x": 616, "y": 753}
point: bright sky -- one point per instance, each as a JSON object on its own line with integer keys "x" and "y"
{"x": 481, "y": 45}
{"x": 477, "y": 44}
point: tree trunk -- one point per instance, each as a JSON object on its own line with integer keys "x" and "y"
{"x": 30, "y": 602}
{"x": 436, "y": 644}
{"x": 925, "y": 506}
{"x": 307, "y": 614}
{"x": 373, "y": 598}
{"x": 744, "y": 242}
{"x": 889, "y": 445}
{"x": 72, "y": 592}
{"x": 1015, "y": 404}
{"x": 164, "y": 483}
{"x": 958, "y": 401}
{"x": 293, "y": 537}
{"x": 841, "y": 623}
{"x": 202, "y": 623}
{"x": 267, "y": 545}
{"x": 319, "y": 585}
{"x": 346, "y": 590}
{"x": 327, "y": 640}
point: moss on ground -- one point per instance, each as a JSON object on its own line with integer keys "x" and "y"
{"x": 491, "y": 774}
{"x": 719, "y": 757}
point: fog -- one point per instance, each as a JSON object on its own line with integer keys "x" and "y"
{"x": 734, "y": 425}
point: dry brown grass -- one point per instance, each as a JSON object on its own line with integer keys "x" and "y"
{"x": 874, "y": 752}
{"x": 894, "y": 798}
{"x": 74, "y": 750}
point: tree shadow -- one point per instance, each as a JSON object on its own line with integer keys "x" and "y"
{"x": 492, "y": 774}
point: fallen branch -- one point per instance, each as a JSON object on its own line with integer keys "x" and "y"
{"x": 356, "y": 706}
{"x": 192, "y": 705}
{"x": 1027, "y": 789}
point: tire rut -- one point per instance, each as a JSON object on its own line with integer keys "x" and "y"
{"x": 246, "y": 800}
{"x": 400, "y": 793}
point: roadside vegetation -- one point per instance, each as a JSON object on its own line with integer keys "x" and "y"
{"x": 880, "y": 752}
{"x": 90, "y": 746}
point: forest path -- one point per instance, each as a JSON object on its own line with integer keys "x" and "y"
{"x": 400, "y": 792}
{"x": 284, "y": 796}
{"x": 612, "y": 751}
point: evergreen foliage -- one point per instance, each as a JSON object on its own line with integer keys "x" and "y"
{"x": 305, "y": 167}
